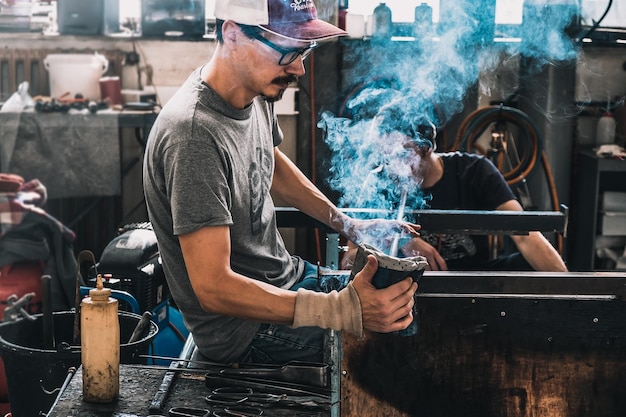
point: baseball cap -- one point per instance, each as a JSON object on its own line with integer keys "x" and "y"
{"x": 292, "y": 19}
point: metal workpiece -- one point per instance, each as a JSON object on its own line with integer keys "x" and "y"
{"x": 475, "y": 222}
{"x": 160, "y": 397}
{"x": 533, "y": 309}
{"x": 525, "y": 284}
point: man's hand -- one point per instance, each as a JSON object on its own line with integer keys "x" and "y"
{"x": 417, "y": 246}
{"x": 388, "y": 309}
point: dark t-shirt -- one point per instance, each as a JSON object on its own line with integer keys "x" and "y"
{"x": 469, "y": 182}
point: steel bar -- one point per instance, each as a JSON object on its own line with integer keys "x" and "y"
{"x": 188, "y": 361}
{"x": 540, "y": 284}
{"x": 520, "y": 284}
{"x": 156, "y": 406}
{"x": 48, "y": 320}
{"x": 169, "y": 369}
{"x": 448, "y": 221}
{"x": 582, "y": 297}
{"x": 70, "y": 374}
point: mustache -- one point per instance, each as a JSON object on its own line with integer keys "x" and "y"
{"x": 287, "y": 79}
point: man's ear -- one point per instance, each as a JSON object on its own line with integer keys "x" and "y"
{"x": 230, "y": 31}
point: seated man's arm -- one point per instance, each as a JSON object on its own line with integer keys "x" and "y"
{"x": 534, "y": 246}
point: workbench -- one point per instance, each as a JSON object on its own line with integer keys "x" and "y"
{"x": 137, "y": 389}
{"x": 497, "y": 344}
{"x": 595, "y": 175}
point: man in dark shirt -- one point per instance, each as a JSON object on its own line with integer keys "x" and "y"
{"x": 463, "y": 181}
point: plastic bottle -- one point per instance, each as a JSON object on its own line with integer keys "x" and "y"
{"x": 423, "y": 22}
{"x": 605, "y": 133}
{"x": 383, "y": 26}
{"x": 100, "y": 345}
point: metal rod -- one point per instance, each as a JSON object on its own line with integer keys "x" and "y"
{"x": 191, "y": 361}
{"x": 83, "y": 256}
{"x": 579, "y": 297}
{"x": 70, "y": 373}
{"x": 482, "y": 222}
{"x": 48, "y": 321}
{"x": 166, "y": 368}
{"x": 396, "y": 238}
{"x": 156, "y": 406}
{"x": 141, "y": 327}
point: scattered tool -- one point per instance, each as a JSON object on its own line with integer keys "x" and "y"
{"x": 305, "y": 373}
{"x": 83, "y": 256}
{"x": 48, "y": 321}
{"x": 188, "y": 412}
{"x": 156, "y": 406}
{"x": 141, "y": 327}
{"x": 238, "y": 396}
{"x": 315, "y": 374}
{"x": 306, "y": 396}
{"x": 70, "y": 373}
{"x": 16, "y": 309}
{"x": 164, "y": 389}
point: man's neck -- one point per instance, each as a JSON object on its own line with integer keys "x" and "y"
{"x": 223, "y": 83}
{"x": 433, "y": 170}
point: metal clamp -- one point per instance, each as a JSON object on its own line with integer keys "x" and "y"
{"x": 15, "y": 308}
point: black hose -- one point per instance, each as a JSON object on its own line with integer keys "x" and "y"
{"x": 531, "y": 144}
{"x": 501, "y": 117}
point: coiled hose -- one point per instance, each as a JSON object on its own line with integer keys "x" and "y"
{"x": 528, "y": 141}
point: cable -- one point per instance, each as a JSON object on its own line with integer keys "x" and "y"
{"x": 500, "y": 117}
{"x": 318, "y": 241}
{"x": 595, "y": 25}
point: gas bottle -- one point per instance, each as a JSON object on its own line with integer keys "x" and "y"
{"x": 605, "y": 133}
{"x": 383, "y": 26}
{"x": 100, "y": 345}
{"x": 423, "y": 22}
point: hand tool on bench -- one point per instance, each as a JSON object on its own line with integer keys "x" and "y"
{"x": 300, "y": 372}
{"x": 305, "y": 373}
{"x": 309, "y": 396}
{"x": 156, "y": 406}
{"x": 241, "y": 396}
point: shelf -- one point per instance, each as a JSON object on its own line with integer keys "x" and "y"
{"x": 595, "y": 175}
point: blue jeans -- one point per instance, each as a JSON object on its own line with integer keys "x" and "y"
{"x": 279, "y": 344}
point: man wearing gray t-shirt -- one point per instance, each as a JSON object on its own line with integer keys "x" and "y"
{"x": 211, "y": 161}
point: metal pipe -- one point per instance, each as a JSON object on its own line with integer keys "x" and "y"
{"x": 48, "y": 321}
{"x": 70, "y": 373}
{"x": 188, "y": 361}
{"x": 580, "y": 297}
{"x": 156, "y": 406}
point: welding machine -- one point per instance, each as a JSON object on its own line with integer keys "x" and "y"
{"x": 130, "y": 263}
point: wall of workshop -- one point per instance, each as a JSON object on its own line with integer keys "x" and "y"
{"x": 169, "y": 63}
{"x": 599, "y": 75}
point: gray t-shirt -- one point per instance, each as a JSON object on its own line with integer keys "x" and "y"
{"x": 209, "y": 164}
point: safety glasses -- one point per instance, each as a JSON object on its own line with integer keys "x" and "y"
{"x": 287, "y": 56}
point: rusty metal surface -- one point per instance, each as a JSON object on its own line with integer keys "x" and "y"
{"x": 496, "y": 346}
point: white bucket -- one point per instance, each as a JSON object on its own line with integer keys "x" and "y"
{"x": 75, "y": 73}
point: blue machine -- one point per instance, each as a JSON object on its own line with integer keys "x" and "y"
{"x": 131, "y": 266}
